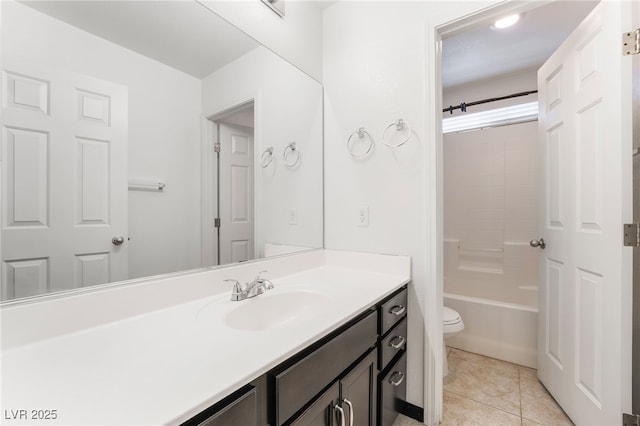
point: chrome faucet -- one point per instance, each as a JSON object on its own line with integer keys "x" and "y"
{"x": 255, "y": 288}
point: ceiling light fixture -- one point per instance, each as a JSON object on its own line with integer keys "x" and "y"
{"x": 506, "y": 22}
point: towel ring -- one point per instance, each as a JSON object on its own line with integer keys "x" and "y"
{"x": 291, "y": 151}
{"x": 266, "y": 158}
{"x": 399, "y": 125}
{"x": 361, "y": 133}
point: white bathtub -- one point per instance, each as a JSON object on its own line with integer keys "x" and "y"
{"x": 505, "y": 331}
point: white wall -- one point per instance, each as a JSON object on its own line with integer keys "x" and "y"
{"x": 377, "y": 59}
{"x": 164, "y": 132}
{"x": 288, "y": 108}
{"x": 297, "y": 36}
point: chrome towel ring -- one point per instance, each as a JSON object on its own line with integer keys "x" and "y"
{"x": 266, "y": 158}
{"x": 362, "y": 134}
{"x": 400, "y": 127}
{"x": 291, "y": 155}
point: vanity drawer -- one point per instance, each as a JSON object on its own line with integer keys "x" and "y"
{"x": 392, "y": 392}
{"x": 393, "y": 344}
{"x": 302, "y": 381}
{"x": 392, "y": 311}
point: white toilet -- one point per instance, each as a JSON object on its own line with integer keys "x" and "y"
{"x": 451, "y": 325}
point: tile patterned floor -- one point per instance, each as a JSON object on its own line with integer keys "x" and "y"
{"x": 485, "y": 391}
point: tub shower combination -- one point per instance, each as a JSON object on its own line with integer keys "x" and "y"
{"x": 495, "y": 293}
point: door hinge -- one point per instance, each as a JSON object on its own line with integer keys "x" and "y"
{"x": 631, "y": 43}
{"x": 630, "y": 419}
{"x": 216, "y": 222}
{"x": 216, "y": 147}
{"x": 632, "y": 235}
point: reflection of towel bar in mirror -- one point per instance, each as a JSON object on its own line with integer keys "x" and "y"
{"x": 291, "y": 155}
{"x": 140, "y": 186}
{"x": 266, "y": 158}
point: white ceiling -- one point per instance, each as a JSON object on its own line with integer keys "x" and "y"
{"x": 484, "y": 52}
{"x": 182, "y": 34}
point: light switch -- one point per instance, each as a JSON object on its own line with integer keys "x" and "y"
{"x": 293, "y": 217}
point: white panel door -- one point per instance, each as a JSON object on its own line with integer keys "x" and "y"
{"x": 584, "y": 268}
{"x": 236, "y": 193}
{"x": 64, "y": 192}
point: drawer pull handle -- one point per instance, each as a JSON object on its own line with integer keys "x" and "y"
{"x": 346, "y": 401}
{"x": 400, "y": 380}
{"x": 339, "y": 408}
{"x": 397, "y": 310}
{"x": 400, "y": 342}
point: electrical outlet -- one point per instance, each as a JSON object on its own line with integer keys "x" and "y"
{"x": 293, "y": 217}
{"x": 363, "y": 216}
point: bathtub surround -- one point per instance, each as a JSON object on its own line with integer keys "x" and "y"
{"x": 160, "y": 361}
{"x": 491, "y": 213}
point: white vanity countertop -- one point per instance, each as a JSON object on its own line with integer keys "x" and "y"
{"x": 164, "y": 366}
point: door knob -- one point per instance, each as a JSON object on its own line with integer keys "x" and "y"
{"x": 117, "y": 240}
{"x": 538, "y": 243}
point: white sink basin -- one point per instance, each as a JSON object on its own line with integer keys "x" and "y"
{"x": 267, "y": 311}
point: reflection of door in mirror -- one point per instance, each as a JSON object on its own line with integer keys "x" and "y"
{"x": 236, "y": 192}
{"x": 175, "y": 77}
{"x": 61, "y": 216}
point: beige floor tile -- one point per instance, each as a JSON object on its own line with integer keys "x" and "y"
{"x": 483, "y": 361}
{"x": 538, "y": 406}
{"x": 526, "y": 422}
{"x": 461, "y": 411}
{"x": 406, "y": 421}
{"x": 528, "y": 373}
{"x": 484, "y": 384}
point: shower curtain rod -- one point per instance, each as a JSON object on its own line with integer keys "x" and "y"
{"x": 463, "y": 106}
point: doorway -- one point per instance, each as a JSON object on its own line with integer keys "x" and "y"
{"x": 230, "y": 224}
{"x": 493, "y": 259}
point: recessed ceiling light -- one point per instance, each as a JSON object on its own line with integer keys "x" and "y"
{"x": 506, "y": 22}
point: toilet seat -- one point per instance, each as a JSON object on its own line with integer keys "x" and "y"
{"x": 449, "y": 316}
{"x": 451, "y": 321}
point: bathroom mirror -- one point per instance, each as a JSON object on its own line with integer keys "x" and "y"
{"x": 145, "y": 138}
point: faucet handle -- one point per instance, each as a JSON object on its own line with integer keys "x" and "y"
{"x": 237, "y": 289}
{"x": 257, "y": 278}
{"x": 267, "y": 284}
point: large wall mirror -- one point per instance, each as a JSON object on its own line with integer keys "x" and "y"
{"x": 145, "y": 138}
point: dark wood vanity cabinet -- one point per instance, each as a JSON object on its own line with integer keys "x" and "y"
{"x": 355, "y": 375}
{"x": 392, "y": 364}
{"x": 353, "y": 398}
{"x": 241, "y": 408}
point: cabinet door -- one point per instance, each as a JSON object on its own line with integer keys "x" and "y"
{"x": 241, "y": 412}
{"x": 358, "y": 392}
{"x": 393, "y": 391}
{"x": 321, "y": 412}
